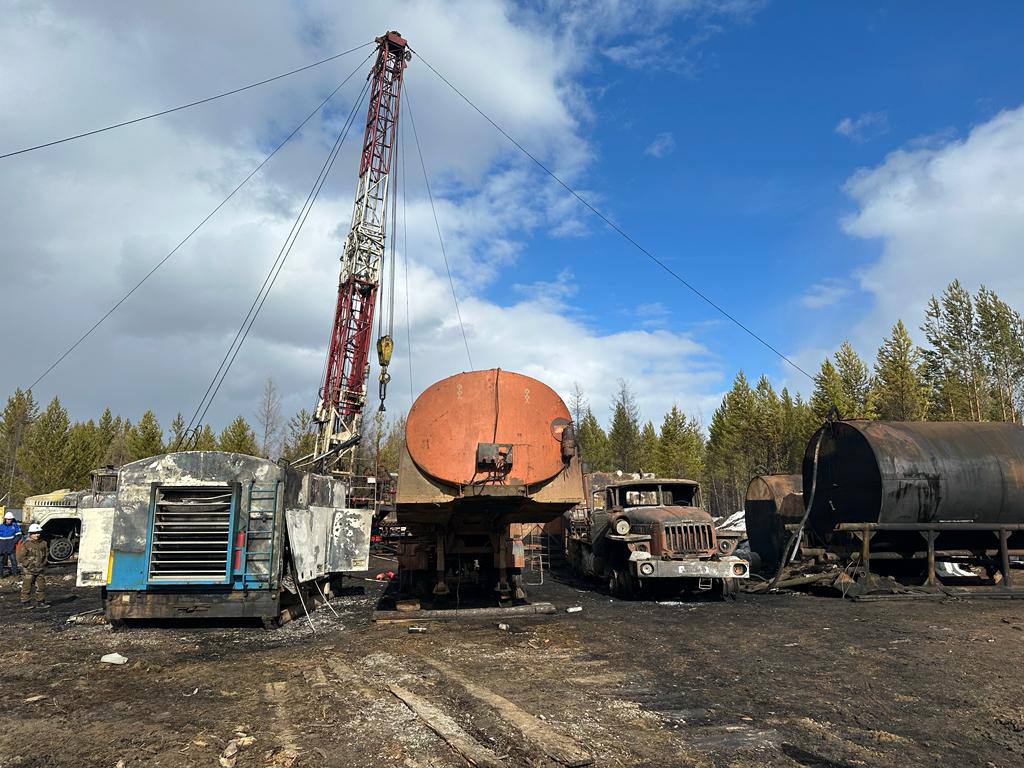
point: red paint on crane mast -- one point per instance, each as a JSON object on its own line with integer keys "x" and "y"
{"x": 343, "y": 394}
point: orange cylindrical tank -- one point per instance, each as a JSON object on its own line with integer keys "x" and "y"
{"x": 452, "y": 417}
{"x": 487, "y": 453}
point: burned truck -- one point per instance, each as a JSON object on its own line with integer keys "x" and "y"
{"x": 652, "y": 536}
{"x": 210, "y": 534}
{"x": 60, "y": 512}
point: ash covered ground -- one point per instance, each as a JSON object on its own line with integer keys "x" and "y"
{"x": 775, "y": 680}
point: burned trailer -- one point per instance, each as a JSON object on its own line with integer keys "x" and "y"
{"x": 486, "y": 453}
{"x": 209, "y": 534}
{"x": 654, "y": 535}
{"x": 893, "y": 492}
{"x": 773, "y": 508}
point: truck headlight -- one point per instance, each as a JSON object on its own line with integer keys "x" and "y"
{"x": 622, "y": 526}
{"x": 646, "y": 569}
{"x": 725, "y": 546}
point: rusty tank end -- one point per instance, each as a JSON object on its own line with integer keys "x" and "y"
{"x": 492, "y": 407}
{"x": 488, "y": 440}
{"x": 915, "y": 473}
{"x": 772, "y": 501}
{"x": 485, "y": 453}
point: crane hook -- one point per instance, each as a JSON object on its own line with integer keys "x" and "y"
{"x": 385, "y": 346}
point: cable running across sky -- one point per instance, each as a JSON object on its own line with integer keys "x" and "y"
{"x": 195, "y": 229}
{"x": 199, "y": 415}
{"x": 697, "y": 292}
{"x": 437, "y": 224}
{"x": 182, "y": 106}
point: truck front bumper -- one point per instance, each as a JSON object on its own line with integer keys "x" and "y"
{"x": 720, "y": 568}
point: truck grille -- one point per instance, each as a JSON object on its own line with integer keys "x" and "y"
{"x": 191, "y": 534}
{"x": 689, "y": 539}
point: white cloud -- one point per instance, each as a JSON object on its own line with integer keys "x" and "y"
{"x": 652, "y": 314}
{"x": 864, "y": 127}
{"x": 827, "y": 293}
{"x": 663, "y": 144}
{"x": 84, "y": 221}
{"x": 631, "y": 25}
{"x": 950, "y": 211}
{"x": 538, "y": 337}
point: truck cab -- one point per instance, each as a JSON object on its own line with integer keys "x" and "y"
{"x": 59, "y": 512}
{"x": 653, "y": 535}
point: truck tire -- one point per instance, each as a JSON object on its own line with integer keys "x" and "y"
{"x": 730, "y": 588}
{"x": 61, "y": 548}
{"x": 620, "y": 584}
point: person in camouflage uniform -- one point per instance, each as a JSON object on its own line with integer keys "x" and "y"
{"x": 33, "y": 564}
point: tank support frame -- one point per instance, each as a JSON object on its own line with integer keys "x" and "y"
{"x": 930, "y": 532}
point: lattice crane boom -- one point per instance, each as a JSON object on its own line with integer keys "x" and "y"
{"x": 343, "y": 394}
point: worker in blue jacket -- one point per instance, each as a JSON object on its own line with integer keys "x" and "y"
{"x": 10, "y": 534}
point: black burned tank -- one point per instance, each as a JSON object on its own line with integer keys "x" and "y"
{"x": 772, "y": 502}
{"x": 915, "y": 472}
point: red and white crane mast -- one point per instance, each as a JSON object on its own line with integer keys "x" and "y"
{"x": 343, "y": 395}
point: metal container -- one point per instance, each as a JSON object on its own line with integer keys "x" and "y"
{"x": 486, "y": 452}
{"x": 488, "y": 439}
{"x": 216, "y": 534}
{"x": 915, "y": 473}
{"x": 454, "y": 416}
{"x": 772, "y": 502}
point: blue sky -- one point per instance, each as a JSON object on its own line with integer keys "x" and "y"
{"x": 747, "y": 204}
{"x": 818, "y": 169}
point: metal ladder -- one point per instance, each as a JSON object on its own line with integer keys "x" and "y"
{"x": 536, "y": 556}
{"x": 259, "y": 533}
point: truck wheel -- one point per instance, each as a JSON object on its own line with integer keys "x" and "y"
{"x": 620, "y": 585}
{"x": 729, "y": 589}
{"x": 61, "y": 549}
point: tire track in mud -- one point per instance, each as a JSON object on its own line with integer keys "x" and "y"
{"x": 276, "y": 694}
{"x": 610, "y": 732}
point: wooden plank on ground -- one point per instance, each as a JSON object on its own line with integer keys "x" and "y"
{"x": 555, "y": 745}
{"x": 451, "y": 614}
{"x": 444, "y": 726}
{"x": 347, "y": 675}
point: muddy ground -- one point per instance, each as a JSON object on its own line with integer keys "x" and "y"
{"x": 777, "y": 680}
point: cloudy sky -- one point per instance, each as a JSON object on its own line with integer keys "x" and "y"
{"x": 818, "y": 171}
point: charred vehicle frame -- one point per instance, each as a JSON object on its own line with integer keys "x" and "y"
{"x": 653, "y": 534}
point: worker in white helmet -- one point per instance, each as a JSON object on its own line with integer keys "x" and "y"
{"x": 10, "y": 534}
{"x": 33, "y": 562}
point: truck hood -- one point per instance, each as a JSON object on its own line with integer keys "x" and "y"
{"x": 666, "y": 515}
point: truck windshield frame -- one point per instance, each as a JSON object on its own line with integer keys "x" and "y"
{"x": 654, "y": 495}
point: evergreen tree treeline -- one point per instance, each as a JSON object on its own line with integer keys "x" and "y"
{"x": 42, "y": 450}
{"x": 971, "y": 368}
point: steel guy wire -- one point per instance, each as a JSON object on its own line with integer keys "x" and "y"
{"x": 275, "y": 270}
{"x": 182, "y": 106}
{"x": 405, "y": 262}
{"x": 697, "y": 292}
{"x": 198, "y": 226}
{"x": 437, "y": 224}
